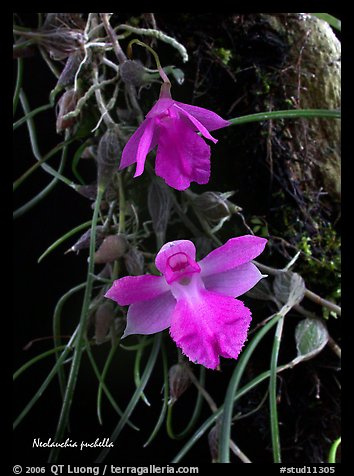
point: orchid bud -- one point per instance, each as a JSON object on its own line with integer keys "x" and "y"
{"x": 215, "y": 206}
{"x": 112, "y": 248}
{"x": 133, "y": 72}
{"x": 67, "y": 76}
{"x": 62, "y": 34}
{"x": 134, "y": 262}
{"x": 108, "y": 153}
{"x": 103, "y": 319}
{"x": 84, "y": 240}
{"x": 179, "y": 381}
{"x": 159, "y": 205}
{"x": 66, "y": 103}
{"x": 88, "y": 191}
{"x": 213, "y": 440}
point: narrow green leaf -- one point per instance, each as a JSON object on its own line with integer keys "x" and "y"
{"x": 332, "y": 457}
{"x": 162, "y": 415}
{"x": 75, "y": 365}
{"x": 225, "y": 432}
{"x": 136, "y": 396}
{"x": 105, "y": 388}
{"x": 274, "y": 423}
{"x": 63, "y": 238}
{"x": 31, "y": 114}
{"x": 330, "y": 19}
{"x": 46, "y": 382}
{"x": 286, "y": 114}
{"x": 18, "y": 85}
{"x": 35, "y": 359}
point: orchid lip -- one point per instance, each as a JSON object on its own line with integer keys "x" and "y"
{"x": 179, "y": 267}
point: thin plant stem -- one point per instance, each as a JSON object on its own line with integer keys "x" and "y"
{"x": 274, "y": 423}
{"x": 39, "y": 163}
{"x": 286, "y": 114}
{"x": 225, "y": 430}
{"x": 162, "y": 415}
{"x": 121, "y": 223}
{"x": 34, "y": 143}
{"x": 104, "y": 386}
{"x": 323, "y": 302}
{"x": 36, "y": 359}
{"x": 63, "y": 238}
{"x": 309, "y": 294}
{"x": 18, "y": 85}
{"x": 213, "y": 418}
{"x": 136, "y": 396}
{"x": 107, "y": 364}
{"x": 196, "y": 412}
{"x": 57, "y": 330}
{"x": 158, "y": 35}
{"x": 47, "y": 381}
{"x": 332, "y": 457}
{"x": 50, "y": 63}
{"x": 75, "y": 365}
{"x": 330, "y": 19}
{"x": 240, "y": 454}
{"x": 43, "y": 193}
{"x": 31, "y": 114}
{"x": 137, "y": 378}
{"x": 113, "y": 37}
{"x": 75, "y": 161}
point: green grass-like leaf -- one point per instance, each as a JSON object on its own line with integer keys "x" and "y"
{"x": 330, "y": 19}
{"x": 63, "y": 238}
{"x": 136, "y": 395}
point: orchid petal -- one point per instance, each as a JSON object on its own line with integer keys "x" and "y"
{"x": 198, "y": 125}
{"x": 149, "y": 317}
{"x": 144, "y": 146}
{"x": 234, "y": 282}
{"x": 171, "y": 248}
{"x": 209, "y": 119}
{"x": 133, "y": 146}
{"x": 160, "y": 108}
{"x": 233, "y": 253}
{"x": 209, "y": 327}
{"x": 182, "y": 156}
{"x": 133, "y": 289}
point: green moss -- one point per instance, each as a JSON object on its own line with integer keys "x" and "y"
{"x": 223, "y": 54}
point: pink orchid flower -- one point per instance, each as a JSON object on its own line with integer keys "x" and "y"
{"x": 182, "y": 155}
{"x": 195, "y": 300}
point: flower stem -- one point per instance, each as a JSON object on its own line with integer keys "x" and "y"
{"x": 155, "y": 55}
